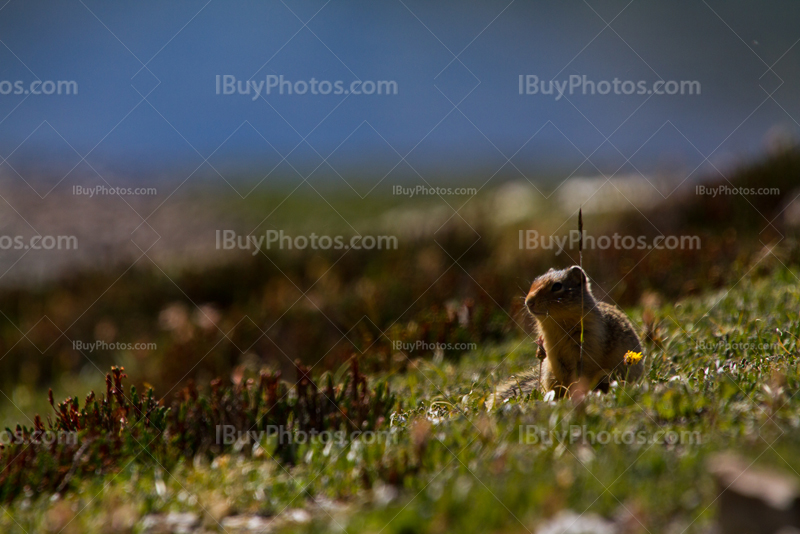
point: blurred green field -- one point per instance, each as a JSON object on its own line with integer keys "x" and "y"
{"x": 322, "y": 306}
{"x": 453, "y": 466}
{"x": 454, "y": 279}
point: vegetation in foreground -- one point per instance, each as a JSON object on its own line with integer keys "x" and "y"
{"x": 722, "y": 373}
{"x": 115, "y": 428}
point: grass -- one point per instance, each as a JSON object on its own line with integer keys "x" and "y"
{"x": 722, "y": 372}
{"x": 402, "y": 441}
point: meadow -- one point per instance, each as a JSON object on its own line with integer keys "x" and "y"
{"x": 348, "y": 354}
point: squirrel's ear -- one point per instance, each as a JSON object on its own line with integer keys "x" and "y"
{"x": 576, "y": 274}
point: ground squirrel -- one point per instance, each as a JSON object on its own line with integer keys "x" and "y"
{"x": 554, "y": 300}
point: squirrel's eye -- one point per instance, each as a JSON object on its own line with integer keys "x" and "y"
{"x": 556, "y": 287}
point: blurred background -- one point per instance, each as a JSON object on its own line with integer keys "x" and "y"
{"x": 184, "y": 107}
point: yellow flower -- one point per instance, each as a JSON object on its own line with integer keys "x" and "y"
{"x": 632, "y": 358}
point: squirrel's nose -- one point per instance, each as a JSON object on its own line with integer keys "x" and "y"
{"x": 529, "y": 304}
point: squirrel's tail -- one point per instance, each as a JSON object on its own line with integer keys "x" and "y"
{"x": 521, "y": 384}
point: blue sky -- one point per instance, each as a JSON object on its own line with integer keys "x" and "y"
{"x": 147, "y": 74}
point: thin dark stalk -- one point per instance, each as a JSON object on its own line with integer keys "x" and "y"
{"x": 580, "y": 261}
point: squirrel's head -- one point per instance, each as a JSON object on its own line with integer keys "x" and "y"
{"x": 558, "y": 294}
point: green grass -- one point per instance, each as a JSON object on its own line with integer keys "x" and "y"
{"x": 452, "y": 467}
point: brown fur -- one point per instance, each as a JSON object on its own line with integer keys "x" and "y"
{"x": 554, "y": 300}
